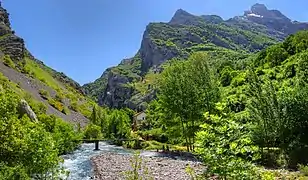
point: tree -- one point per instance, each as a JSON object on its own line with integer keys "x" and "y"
{"x": 187, "y": 89}
{"x": 225, "y": 146}
{"x": 275, "y": 55}
{"x": 265, "y": 111}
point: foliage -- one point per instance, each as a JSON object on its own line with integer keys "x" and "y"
{"x": 44, "y": 94}
{"x": 187, "y": 88}
{"x": 8, "y": 61}
{"x": 224, "y": 146}
{"x": 119, "y": 125}
{"x": 63, "y": 133}
{"x": 74, "y": 106}
{"x": 303, "y": 169}
{"x": 93, "y": 131}
{"x": 139, "y": 170}
{"x": 20, "y": 150}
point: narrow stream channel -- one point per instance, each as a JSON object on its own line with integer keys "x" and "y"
{"x": 79, "y": 164}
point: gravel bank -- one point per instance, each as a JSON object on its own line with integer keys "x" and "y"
{"x": 110, "y": 166}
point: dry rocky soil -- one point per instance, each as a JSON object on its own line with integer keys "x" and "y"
{"x": 110, "y": 166}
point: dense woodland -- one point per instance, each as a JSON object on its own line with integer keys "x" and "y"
{"x": 237, "y": 112}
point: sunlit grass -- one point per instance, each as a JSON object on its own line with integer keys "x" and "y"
{"x": 41, "y": 74}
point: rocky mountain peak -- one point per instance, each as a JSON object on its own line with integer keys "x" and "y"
{"x": 261, "y": 11}
{"x": 183, "y": 17}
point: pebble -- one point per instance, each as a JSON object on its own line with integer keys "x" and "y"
{"x": 111, "y": 166}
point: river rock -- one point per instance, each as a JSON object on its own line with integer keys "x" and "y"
{"x": 110, "y": 166}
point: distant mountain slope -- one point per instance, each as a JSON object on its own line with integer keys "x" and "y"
{"x": 36, "y": 82}
{"x": 130, "y": 84}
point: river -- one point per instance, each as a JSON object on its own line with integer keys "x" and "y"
{"x": 78, "y": 163}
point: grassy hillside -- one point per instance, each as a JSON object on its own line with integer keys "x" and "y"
{"x": 39, "y": 83}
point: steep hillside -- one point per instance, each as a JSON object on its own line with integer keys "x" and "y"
{"x": 36, "y": 82}
{"x": 130, "y": 84}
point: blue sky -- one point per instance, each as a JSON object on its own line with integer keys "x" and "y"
{"x": 83, "y": 38}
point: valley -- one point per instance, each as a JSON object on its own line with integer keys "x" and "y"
{"x": 230, "y": 94}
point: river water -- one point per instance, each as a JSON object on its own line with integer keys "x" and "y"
{"x": 78, "y": 163}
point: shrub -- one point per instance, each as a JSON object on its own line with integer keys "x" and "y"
{"x": 93, "y": 132}
{"x": 38, "y": 107}
{"x": 8, "y": 61}
{"x": 65, "y": 111}
{"x": 62, "y": 132}
{"x": 44, "y": 94}
{"x": 226, "y": 148}
{"x": 58, "y": 105}
{"x": 74, "y": 106}
{"x": 138, "y": 169}
{"x": 239, "y": 80}
{"x": 59, "y": 97}
{"x": 276, "y": 55}
{"x": 303, "y": 169}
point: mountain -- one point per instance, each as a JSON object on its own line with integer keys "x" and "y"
{"x": 45, "y": 89}
{"x": 130, "y": 84}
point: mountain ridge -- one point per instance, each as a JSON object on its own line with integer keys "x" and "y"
{"x": 183, "y": 34}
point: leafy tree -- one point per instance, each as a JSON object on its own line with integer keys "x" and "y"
{"x": 187, "y": 88}
{"x": 25, "y": 146}
{"x": 226, "y": 148}
{"x": 119, "y": 125}
{"x": 92, "y": 131}
{"x": 275, "y": 55}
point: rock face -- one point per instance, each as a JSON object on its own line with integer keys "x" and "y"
{"x": 152, "y": 54}
{"x": 273, "y": 19}
{"x": 185, "y": 33}
{"x": 24, "y": 108}
{"x": 10, "y": 44}
{"x": 116, "y": 92}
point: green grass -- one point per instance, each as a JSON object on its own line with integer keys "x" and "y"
{"x": 150, "y": 81}
{"x": 41, "y": 74}
{"x": 154, "y": 145}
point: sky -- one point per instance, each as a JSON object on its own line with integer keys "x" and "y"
{"x": 83, "y": 38}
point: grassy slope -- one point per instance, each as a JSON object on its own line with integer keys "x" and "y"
{"x": 65, "y": 101}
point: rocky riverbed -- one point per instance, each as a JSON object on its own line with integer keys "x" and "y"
{"x": 111, "y": 166}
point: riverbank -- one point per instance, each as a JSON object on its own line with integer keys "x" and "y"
{"x": 111, "y": 166}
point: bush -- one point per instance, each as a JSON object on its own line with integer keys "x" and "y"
{"x": 8, "y": 61}
{"x": 276, "y": 55}
{"x": 226, "y": 148}
{"x": 44, "y": 94}
{"x": 59, "y": 97}
{"x": 38, "y": 107}
{"x": 65, "y": 111}
{"x": 93, "y": 132}
{"x": 58, "y": 105}
{"x": 303, "y": 169}
{"x": 74, "y": 106}
{"x": 13, "y": 173}
{"x": 62, "y": 132}
{"x": 239, "y": 80}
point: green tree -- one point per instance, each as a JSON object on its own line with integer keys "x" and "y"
{"x": 187, "y": 89}
{"x": 275, "y": 55}
{"x": 226, "y": 147}
{"x": 93, "y": 131}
